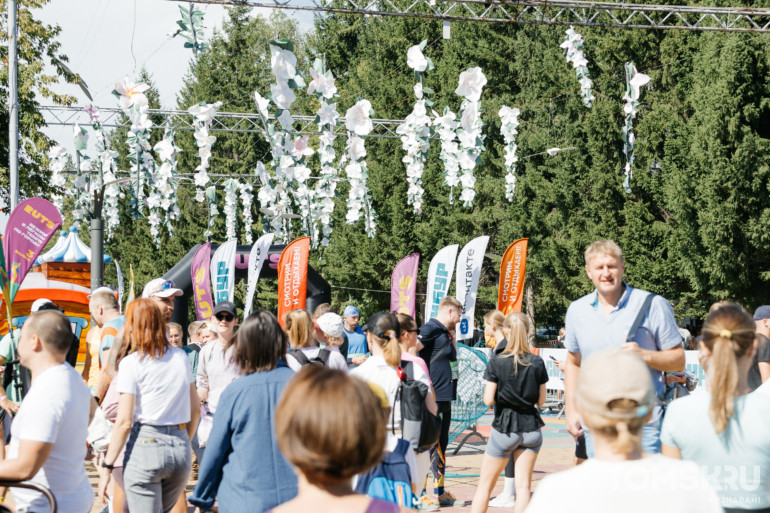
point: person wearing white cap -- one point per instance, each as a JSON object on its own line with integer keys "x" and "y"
{"x": 330, "y": 326}
{"x": 615, "y": 397}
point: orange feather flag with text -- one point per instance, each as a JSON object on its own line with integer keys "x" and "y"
{"x": 513, "y": 267}
{"x": 292, "y": 277}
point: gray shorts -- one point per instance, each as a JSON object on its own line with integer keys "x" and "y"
{"x": 502, "y": 446}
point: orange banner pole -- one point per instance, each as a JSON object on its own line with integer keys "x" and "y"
{"x": 292, "y": 277}
{"x": 513, "y": 268}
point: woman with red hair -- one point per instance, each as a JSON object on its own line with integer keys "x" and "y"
{"x": 157, "y": 414}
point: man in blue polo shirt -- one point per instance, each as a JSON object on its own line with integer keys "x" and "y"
{"x": 603, "y": 318}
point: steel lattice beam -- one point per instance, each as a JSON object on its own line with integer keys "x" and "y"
{"x": 183, "y": 120}
{"x": 560, "y": 12}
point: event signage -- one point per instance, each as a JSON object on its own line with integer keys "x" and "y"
{"x": 512, "y": 270}
{"x": 204, "y": 305}
{"x": 292, "y": 277}
{"x": 403, "y": 285}
{"x": 468, "y": 272}
{"x": 439, "y": 278}
{"x": 223, "y": 271}
{"x": 30, "y": 226}
{"x": 256, "y": 258}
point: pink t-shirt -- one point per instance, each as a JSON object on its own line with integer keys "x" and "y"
{"x": 409, "y": 357}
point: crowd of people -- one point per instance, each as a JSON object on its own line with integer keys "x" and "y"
{"x": 314, "y": 412}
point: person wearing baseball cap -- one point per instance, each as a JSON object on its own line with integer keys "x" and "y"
{"x": 163, "y": 293}
{"x": 357, "y": 347}
{"x": 615, "y": 397}
{"x": 759, "y": 372}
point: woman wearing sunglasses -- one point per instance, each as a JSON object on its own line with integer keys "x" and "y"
{"x": 216, "y": 367}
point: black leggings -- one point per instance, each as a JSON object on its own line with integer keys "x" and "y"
{"x": 438, "y": 455}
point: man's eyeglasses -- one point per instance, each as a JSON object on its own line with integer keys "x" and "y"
{"x": 224, "y": 317}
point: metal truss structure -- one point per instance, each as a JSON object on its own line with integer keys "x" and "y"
{"x": 558, "y": 12}
{"x": 183, "y": 120}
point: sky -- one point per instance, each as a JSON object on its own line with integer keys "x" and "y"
{"x": 106, "y": 40}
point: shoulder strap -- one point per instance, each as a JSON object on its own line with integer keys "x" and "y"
{"x": 299, "y": 355}
{"x": 323, "y": 355}
{"x": 440, "y": 352}
{"x": 638, "y": 321}
{"x": 409, "y": 369}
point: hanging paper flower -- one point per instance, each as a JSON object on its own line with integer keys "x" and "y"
{"x": 469, "y": 133}
{"x": 358, "y": 118}
{"x": 415, "y": 59}
{"x": 634, "y": 83}
{"x": 131, "y": 94}
{"x": 358, "y": 122}
{"x": 203, "y": 115}
{"x": 573, "y": 43}
{"x": 322, "y": 84}
{"x": 108, "y": 163}
{"x": 471, "y": 83}
{"x": 509, "y": 119}
{"x": 283, "y": 63}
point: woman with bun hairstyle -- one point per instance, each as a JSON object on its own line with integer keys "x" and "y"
{"x": 515, "y": 386}
{"x": 326, "y": 448}
{"x": 493, "y": 329}
{"x": 727, "y": 429}
{"x": 615, "y": 397}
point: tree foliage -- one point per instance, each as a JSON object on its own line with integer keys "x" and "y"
{"x": 694, "y": 228}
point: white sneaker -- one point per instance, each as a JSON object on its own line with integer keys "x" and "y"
{"x": 502, "y": 501}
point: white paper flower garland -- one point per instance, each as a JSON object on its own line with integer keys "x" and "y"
{"x": 573, "y": 43}
{"x": 247, "y": 201}
{"x": 108, "y": 162}
{"x": 327, "y": 119}
{"x": 469, "y": 133}
{"x": 203, "y": 115}
{"x": 164, "y": 208}
{"x": 81, "y": 186}
{"x": 634, "y": 83}
{"x": 446, "y": 127}
{"x": 509, "y": 124}
{"x": 416, "y": 131}
{"x": 232, "y": 187}
{"x": 135, "y": 105}
{"x": 58, "y": 156}
{"x": 358, "y": 121}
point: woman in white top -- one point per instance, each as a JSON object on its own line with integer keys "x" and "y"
{"x": 726, "y": 430}
{"x": 616, "y": 398}
{"x": 382, "y": 334}
{"x": 157, "y": 414}
{"x": 299, "y": 328}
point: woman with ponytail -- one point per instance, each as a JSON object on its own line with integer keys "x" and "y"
{"x": 615, "y": 397}
{"x": 727, "y": 429}
{"x": 382, "y": 336}
{"x": 516, "y": 387}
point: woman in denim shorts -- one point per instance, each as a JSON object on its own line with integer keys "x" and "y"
{"x": 516, "y": 381}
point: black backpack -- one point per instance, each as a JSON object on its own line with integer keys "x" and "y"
{"x": 322, "y": 358}
{"x": 420, "y": 427}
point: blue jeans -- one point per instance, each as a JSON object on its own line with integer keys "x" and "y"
{"x": 650, "y": 438}
{"x": 156, "y": 467}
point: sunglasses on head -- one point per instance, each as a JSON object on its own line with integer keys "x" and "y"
{"x": 224, "y": 317}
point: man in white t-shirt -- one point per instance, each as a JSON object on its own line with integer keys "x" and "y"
{"x": 48, "y": 435}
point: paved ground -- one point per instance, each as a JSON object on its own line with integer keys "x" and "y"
{"x": 463, "y": 468}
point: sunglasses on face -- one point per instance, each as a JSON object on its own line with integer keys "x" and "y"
{"x": 224, "y": 317}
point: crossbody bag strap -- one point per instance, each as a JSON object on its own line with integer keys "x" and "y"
{"x": 440, "y": 353}
{"x": 639, "y": 317}
{"x": 299, "y": 355}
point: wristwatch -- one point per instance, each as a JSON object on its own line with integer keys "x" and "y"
{"x": 108, "y": 467}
